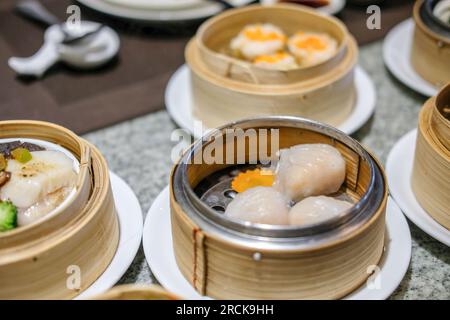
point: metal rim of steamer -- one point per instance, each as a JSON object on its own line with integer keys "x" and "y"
{"x": 265, "y": 236}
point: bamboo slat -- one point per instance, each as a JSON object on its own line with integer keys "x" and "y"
{"x": 36, "y": 260}
{"x": 430, "y": 179}
{"x": 136, "y": 292}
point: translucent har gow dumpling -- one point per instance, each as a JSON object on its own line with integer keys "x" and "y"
{"x": 260, "y": 205}
{"x": 309, "y": 170}
{"x": 257, "y": 40}
{"x": 317, "y": 209}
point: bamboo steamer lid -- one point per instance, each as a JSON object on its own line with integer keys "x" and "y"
{"x": 36, "y": 260}
{"x": 214, "y": 36}
{"x": 430, "y": 54}
{"x": 430, "y": 179}
{"x": 229, "y": 259}
{"x": 136, "y": 292}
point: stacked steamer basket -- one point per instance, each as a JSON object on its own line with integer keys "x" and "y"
{"x": 431, "y": 172}
{"x": 230, "y": 259}
{"x": 80, "y": 238}
{"x": 430, "y": 54}
{"x": 226, "y": 89}
{"x": 136, "y": 292}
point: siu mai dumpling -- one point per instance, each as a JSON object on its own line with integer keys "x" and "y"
{"x": 309, "y": 170}
{"x": 257, "y": 40}
{"x": 276, "y": 61}
{"x": 259, "y": 205}
{"x": 311, "y": 48}
{"x": 317, "y": 209}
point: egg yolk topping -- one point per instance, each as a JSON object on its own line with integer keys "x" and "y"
{"x": 311, "y": 43}
{"x": 258, "y": 34}
{"x": 274, "y": 58}
{"x": 252, "y": 178}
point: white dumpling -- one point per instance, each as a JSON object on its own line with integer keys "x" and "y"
{"x": 312, "y": 48}
{"x": 258, "y": 39}
{"x": 309, "y": 170}
{"x": 260, "y": 205}
{"x": 45, "y": 173}
{"x": 43, "y": 207}
{"x": 276, "y": 61}
{"x": 317, "y": 209}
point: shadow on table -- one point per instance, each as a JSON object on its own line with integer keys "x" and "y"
{"x": 139, "y": 263}
{"x": 405, "y": 89}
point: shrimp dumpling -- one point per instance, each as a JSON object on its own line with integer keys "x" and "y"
{"x": 309, "y": 170}
{"x": 276, "y": 61}
{"x": 257, "y": 40}
{"x": 312, "y": 48}
{"x": 260, "y": 205}
{"x": 317, "y": 209}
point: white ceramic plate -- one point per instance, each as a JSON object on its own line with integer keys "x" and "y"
{"x": 156, "y": 4}
{"x": 334, "y": 7}
{"x": 178, "y": 100}
{"x": 396, "y": 54}
{"x": 201, "y": 11}
{"x": 157, "y": 241}
{"x": 130, "y": 223}
{"x": 398, "y": 169}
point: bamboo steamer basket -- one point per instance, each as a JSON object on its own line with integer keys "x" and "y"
{"x": 328, "y": 97}
{"x": 430, "y": 179}
{"x": 214, "y": 36}
{"x": 136, "y": 292}
{"x": 230, "y": 259}
{"x": 34, "y": 259}
{"x": 430, "y": 54}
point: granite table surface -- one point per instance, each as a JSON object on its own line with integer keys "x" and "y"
{"x": 139, "y": 151}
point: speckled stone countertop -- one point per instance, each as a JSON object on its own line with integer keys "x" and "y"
{"x": 139, "y": 151}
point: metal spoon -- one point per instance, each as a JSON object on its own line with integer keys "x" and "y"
{"x": 34, "y": 10}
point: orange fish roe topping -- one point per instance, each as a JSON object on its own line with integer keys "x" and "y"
{"x": 257, "y": 34}
{"x": 311, "y": 43}
{"x": 273, "y": 58}
{"x": 252, "y": 178}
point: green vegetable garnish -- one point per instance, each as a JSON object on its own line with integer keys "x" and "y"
{"x": 3, "y": 162}
{"x": 22, "y": 155}
{"x": 8, "y": 216}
